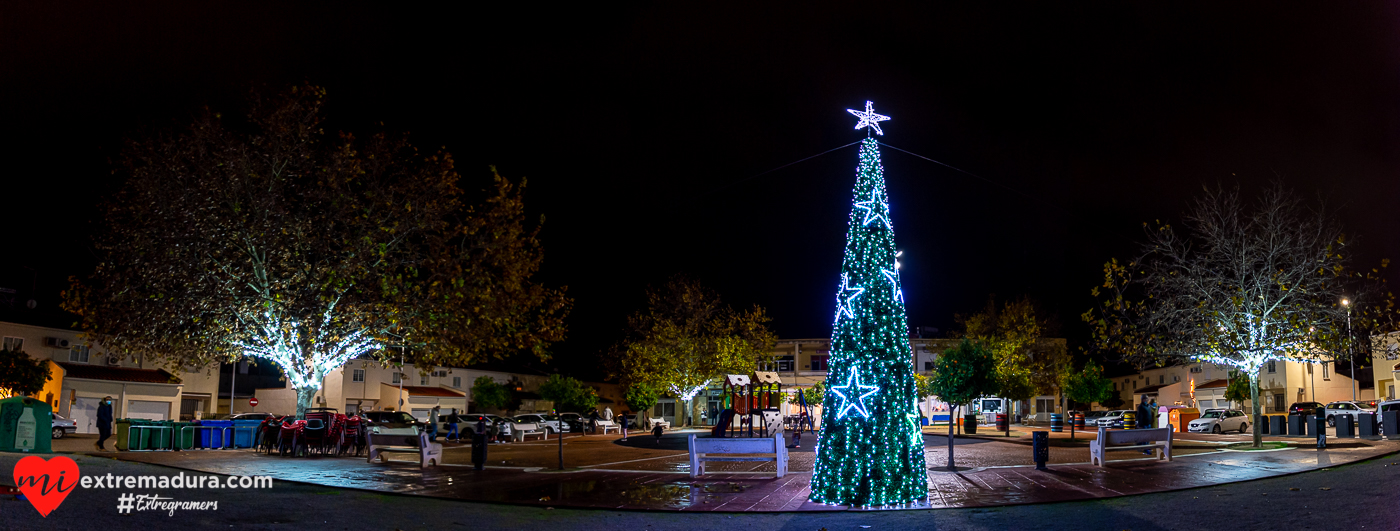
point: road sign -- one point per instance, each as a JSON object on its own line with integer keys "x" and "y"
{"x": 253, "y": 401}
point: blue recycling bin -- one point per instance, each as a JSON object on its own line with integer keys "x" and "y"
{"x": 213, "y": 438}
{"x": 244, "y": 433}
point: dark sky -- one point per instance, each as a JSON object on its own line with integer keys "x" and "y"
{"x": 640, "y": 127}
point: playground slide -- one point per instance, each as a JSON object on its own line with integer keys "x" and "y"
{"x": 722, "y": 424}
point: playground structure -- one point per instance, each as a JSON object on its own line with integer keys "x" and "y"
{"x": 753, "y": 406}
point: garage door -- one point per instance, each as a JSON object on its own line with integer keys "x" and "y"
{"x": 421, "y": 414}
{"x": 142, "y": 409}
{"x": 84, "y": 413}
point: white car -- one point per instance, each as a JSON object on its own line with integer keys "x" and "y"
{"x": 1345, "y": 407}
{"x": 1388, "y": 405}
{"x": 1113, "y": 419}
{"x": 63, "y": 426}
{"x": 1219, "y": 421}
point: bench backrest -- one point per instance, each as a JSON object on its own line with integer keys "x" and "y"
{"x": 1129, "y": 437}
{"x": 735, "y": 445}
{"x": 527, "y": 427}
{"x": 606, "y": 423}
{"x": 657, "y": 420}
{"x": 379, "y": 439}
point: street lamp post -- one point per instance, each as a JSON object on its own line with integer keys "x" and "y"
{"x": 1350, "y": 354}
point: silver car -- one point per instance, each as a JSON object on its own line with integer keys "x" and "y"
{"x": 549, "y": 422}
{"x": 63, "y": 426}
{"x": 1345, "y": 407}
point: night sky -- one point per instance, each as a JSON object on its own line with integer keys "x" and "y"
{"x": 645, "y": 131}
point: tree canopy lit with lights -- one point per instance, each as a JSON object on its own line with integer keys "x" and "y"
{"x": 269, "y": 239}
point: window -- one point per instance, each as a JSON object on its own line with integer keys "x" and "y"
{"x": 14, "y": 344}
{"x": 1176, "y": 378}
{"x": 398, "y": 377}
{"x": 1044, "y": 405}
{"x": 1115, "y": 386}
{"x": 440, "y": 374}
{"x": 78, "y": 354}
{"x": 928, "y": 365}
{"x": 819, "y": 361}
{"x": 1325, "y": 374}
{"x": 1278, "y": 402}
{"x": 1270, "y": 365}
{"x": 358, "y": 375}
{"x": 785, "y": 363}
{"x": 457, "y": 381}
{"x": 423, "y": 380}
{"x": 1161, "y": 379}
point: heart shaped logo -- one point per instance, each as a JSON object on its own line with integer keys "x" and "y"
{"x": 46, "y": 483}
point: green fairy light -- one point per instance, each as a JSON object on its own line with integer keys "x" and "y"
{"x": 875, "y": 459}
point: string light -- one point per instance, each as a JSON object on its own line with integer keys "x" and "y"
{"x": 858, "y": 403}
{"x": 869, "y": 118}
{"x": 874, "y": 458}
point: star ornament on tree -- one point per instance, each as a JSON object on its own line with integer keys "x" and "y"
{"x": 854, "y": 388}
{"x": 869, "y": 118}
{"x": 875, "y": 209}
{"x": 847, "y": 297}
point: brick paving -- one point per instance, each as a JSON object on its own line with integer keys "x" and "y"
{"x": 651, "y": 475}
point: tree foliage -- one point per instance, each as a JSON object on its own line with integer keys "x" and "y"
{"x": 641, "y": 396}
{"x": 1240, "y": 286}
{"x": 1013, "y": 333}
{"x": 569, "y": 394}
{"x": 1088, "y": 385}
{"x": 814, "y": 395}
{"x": 268, "y": 238}
{"x": 488, "y": 394}
{"x": 964, "y": 373}
{"x": 21, "y": 375}
{"x": 687, "y": 337}
{"x": 1238, "y": 389}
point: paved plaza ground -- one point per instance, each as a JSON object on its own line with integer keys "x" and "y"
{"x": 646, "y": 474}
{"x": 1359, "y": 496}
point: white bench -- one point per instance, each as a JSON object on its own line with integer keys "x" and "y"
{"x": 429, "y": 453}
{"x": 1159, "y": 440}
{"x": 607, "y": 425}
{"x": 520, "y": 432}
{"x": 664, "y": 425}
{"x": 716, "y": 448}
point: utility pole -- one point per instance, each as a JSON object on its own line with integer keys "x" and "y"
{"x": 1350, "y": 354}
{"x": 232, "y": 389}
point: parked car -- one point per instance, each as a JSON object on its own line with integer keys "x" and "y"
{"x": 549, "y": 422}
{"x": 1112, "y": 419}
{"x": 1091, "y": 418}
{"x": 259, "y": 416}
{"x": 574, "y": 421}
{"x": 63, "y": 426}
{"x": 1219, "y": 421}
{"x": 393, "y": 419}
{"x": 1345, "y": 408}
{"x": 1304, "y": 408}
{"x": 1388, "y": 405}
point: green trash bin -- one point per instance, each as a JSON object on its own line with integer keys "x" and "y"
{"x": 184, "y": 439}
{"x": 164, "y": 438}
{"x": 121, "y": 427}
{"x": 140, "y": 438}
{"x": 26, "y": 425}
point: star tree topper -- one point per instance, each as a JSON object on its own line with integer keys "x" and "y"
{"x": 854, "y": 387}
{"x": 869, "y": 118}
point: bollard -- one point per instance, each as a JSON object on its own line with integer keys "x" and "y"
{"x": 1003, "y": 424}
{"x": 1079, "y": 420}
{"x": 1040, "y": 448}
{"x": 1344, "y": 426}
{"x": 1390, "y": 424}
{"x": 970, "y": 424}
{"x": 1130, "y": 421}
{"x": 1057, "y": 422}
{"x": 1367, "y": 424}
{"x": 1319, "y": 427}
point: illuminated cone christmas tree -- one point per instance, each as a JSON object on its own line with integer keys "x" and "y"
{"x": 871, "y": 450}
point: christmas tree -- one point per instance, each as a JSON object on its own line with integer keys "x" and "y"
{"x": 870, "y": 452}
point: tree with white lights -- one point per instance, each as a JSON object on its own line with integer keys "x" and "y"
{"x": 267, "y": 238}
{"x": 1240, "y": 286}
{"x": 871, "y": 450}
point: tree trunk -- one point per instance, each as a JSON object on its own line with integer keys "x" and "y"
{"x": 952, "y": 419}
{"x": 305, "y": 398}
{"x": 1254, "y": 395}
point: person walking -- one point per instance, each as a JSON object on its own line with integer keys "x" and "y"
{"x": 657, "y": 431}
{"x": 452, "y": 420}
{"x": 622, "y": 421}
{"x": 104, "y": 423}
{"x": 433, "y": 423}
{"x": 504, "y": 433}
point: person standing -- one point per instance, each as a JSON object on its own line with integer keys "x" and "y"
{"x": 104, "y": 422}
{"x": 657, "y": 431}
{"x": 433, "y": 423}
{"x": 622, "y": 421}
{"x": 479, "y": 444}
{"x": 452, "y": 420}
{"x": 1144, "y": 419}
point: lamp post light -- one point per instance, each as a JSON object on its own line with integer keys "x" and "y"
{"x": 1350, "y": 354}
